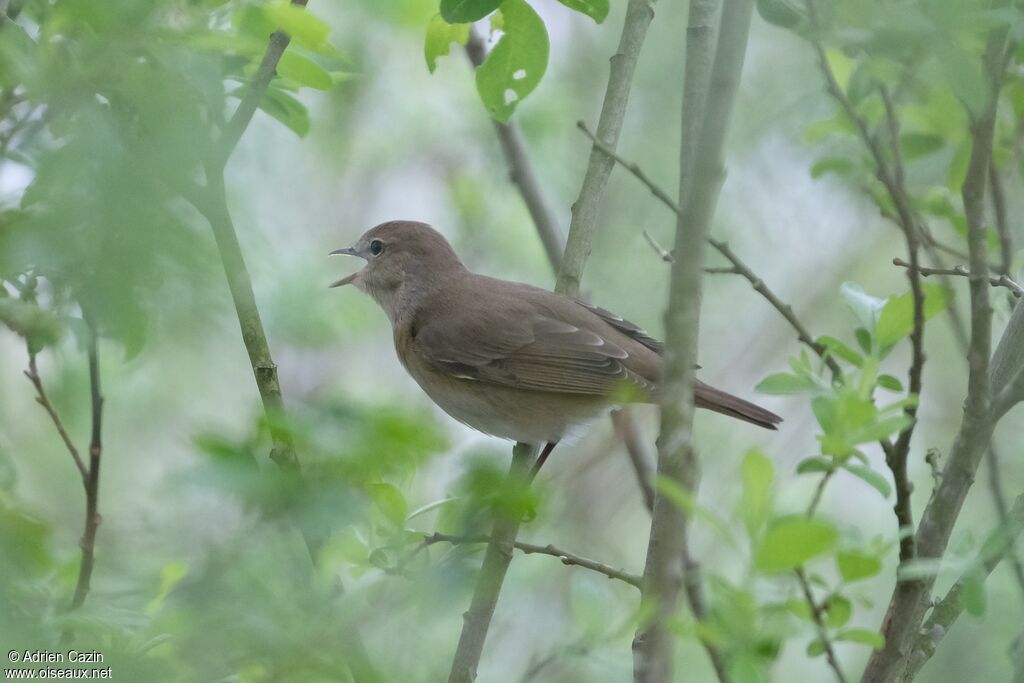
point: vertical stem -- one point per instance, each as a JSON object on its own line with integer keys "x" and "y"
{"x": 708, "y": 104}
{"x": 613, "y": 111}
{"x": 92, "y": 479}
{"x": 497, "y": 558}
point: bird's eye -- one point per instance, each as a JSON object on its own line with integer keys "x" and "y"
{"x": 376, "y": 247}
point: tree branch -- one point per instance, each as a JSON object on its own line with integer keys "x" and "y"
{"x": 961, "y": 271}
{"x": 42, "y": 399}
{"x": 709, "y": 92}
{"x": 477, "y": 620}
{"x": 946, "y": 611}
{"x": 911, "y": 597}
{"x": 92, "y": 481}
{"x": 613, "y": 111}
{"x": 739, "y": 267}
{"x": 567, "y": 558}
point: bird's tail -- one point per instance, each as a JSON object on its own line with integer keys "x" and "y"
{"x": 719, "y": 401}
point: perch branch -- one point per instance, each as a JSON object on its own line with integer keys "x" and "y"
{"x": 42, "y": 399}
{"x": 818, "y": 615}
{"x": 738, "y": 267}
{"x": 962, "y": 271}
{"x": 566, "y": 558}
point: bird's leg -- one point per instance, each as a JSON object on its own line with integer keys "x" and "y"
{"x": 550, "y": 446}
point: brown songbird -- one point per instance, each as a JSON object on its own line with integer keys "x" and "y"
{"x": 506, "y": 358}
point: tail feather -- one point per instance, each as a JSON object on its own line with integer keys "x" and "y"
{"x": 707, "y": 396}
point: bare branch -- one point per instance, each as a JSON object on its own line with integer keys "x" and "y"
{"x": 42, "y": 399}
{"x": 709, "y": 91}
{"x": 739, "y": 267}
{"x": 961, "y": 271}
{"x": 998, "y": 195}
{"x": 946, "y": 611}
{"x": 92, "y": 481}
{"x": 911, "y": 597}
{"x": 613, "y": 111}
{"x": 566, "y": 558}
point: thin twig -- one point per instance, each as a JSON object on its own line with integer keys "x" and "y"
{"x": 962, "y": 271}
{"x": 818, "y": 615}
{"x": 738, "y": 265}
{"x": 566, "y": 558}
{"x": 42, "y": 399}
{"x": 92, "y": 482}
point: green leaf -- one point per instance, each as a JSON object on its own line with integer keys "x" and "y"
{"x": 684, "y": 500}
{"x": 916, "y": 145}
{"x": 758, "y": 476}
{"x": 304, "y": 71}
{"x": 595, "y": 9}
{"x": 842, "y": 166}
{"x": 465, "y": 11}
{"x": 863, "y": 636}
{"x": 791, "y": 541}
{"x": 170, "y": 576}
{"x": 841, "y": 350}
{"x": 517, "y": 63}
{"x": 305, "y": 28}
{"x": 870, "y": 476}
{"x": 891, "y": 383}
{"x": 800, "y": 609}
{"x": 782, "y": 13}
{"x": 963, "y": 74}
{"x": 972, "y": 597}
{"x": 897, "y": 317}
{"x": 815, "y": 463}
{"x": 287, "y": 110}
{"x": 854, "y": 566}
{"x": 390, "y": 501}
{"x": 866, "y": 307}
{"x": 863, "y": 338}
{"x": 440, "y": 36}
{"x": 839, "y": 611}
{"x": 815, "y": 648}
{"x": 785, "y": 383}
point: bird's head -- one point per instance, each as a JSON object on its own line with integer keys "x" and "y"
{"x": 403, "y": 259}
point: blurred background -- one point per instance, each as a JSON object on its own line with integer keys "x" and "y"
{"x": 198, "y": 577}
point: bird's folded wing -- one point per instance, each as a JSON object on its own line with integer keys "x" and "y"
{"x": 537, "y": 354}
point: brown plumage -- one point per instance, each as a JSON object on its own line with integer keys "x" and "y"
{"x": 507, "y": 358}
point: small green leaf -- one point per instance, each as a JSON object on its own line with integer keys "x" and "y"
{"x": 863, "y": 339}
{"x": 785, "y": 383}
{"x": 758, "y": 476}
{"x": 287, "y": 110}
{"x": 866, "y": 307}
{"x": 916, "y": 145}
{"x": 170, "y": 576}
{"x": 304, "y": 71}
{"x": 684, "y": 500}
{"x": 466, "y": 11}
{"x": 791, "y": 541}
{"x": 304, "y": 27}
{"x": 440, "y": 36}
{"x": 839, "y": 611}
{"x": 842, "y": 166}
{"x": 897, "y": 317}
{"x": 815, "y": 648}
{"x": 390, "y": 501}
{"x": 854, "y": 566}
{"x": 891, "y": 383}
{"x": 782, "y": 13}
{"x": 815, "y": 463}
{"x": 863, "y": 636}
{"x": 595, "y": 9}
{"x": 800, "y": 609}
{"x": 841, "y": 350}
{"x": 517, "y": 63}
{"x": 870, "y": 476}
{"x": 972, "y": 597}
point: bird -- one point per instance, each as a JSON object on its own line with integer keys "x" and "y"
{"x": 506, "y": 358}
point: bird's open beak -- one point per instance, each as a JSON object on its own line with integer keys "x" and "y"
{"x": 347, "y": 251}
